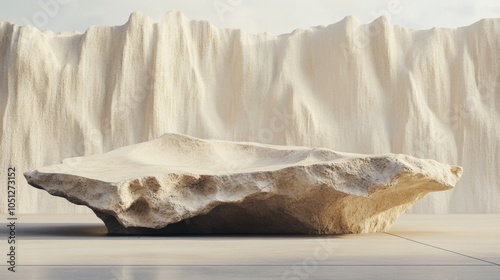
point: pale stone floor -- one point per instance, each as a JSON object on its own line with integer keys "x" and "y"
{"x": 417, "y": 247}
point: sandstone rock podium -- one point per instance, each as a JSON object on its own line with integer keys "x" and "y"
{"x": 178, "y": 184}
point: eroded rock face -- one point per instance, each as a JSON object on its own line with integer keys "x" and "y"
{"x": 178, "y": 184}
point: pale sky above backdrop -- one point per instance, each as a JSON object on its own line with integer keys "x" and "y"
{"x": 255, "y": 16}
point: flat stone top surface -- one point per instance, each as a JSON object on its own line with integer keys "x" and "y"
{"x": 177, "y": 153}
{"x": 184, "y": 154}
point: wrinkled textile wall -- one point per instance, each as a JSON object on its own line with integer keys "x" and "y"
{"x": 351, "y": 87}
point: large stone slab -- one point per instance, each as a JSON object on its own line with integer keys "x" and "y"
{"x": 178, "y": 184}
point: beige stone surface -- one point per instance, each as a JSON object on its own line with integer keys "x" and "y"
{"x": 178, "y": 184}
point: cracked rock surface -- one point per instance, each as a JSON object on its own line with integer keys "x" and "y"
{"x": 177, "y": 184}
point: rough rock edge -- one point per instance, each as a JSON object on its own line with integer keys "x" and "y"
{"x": 324, "y": 198}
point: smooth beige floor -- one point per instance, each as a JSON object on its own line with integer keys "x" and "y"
{"x": 417, "y": 247}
